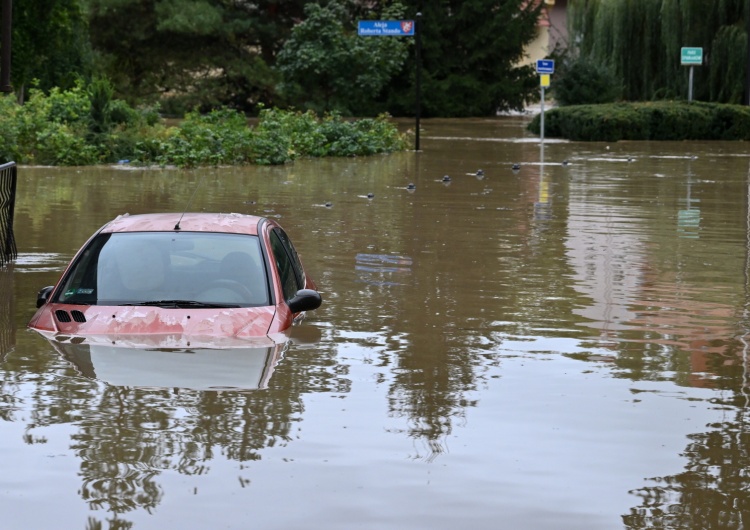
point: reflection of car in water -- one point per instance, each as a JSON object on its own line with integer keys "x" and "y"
{"x": 193, "y": 275}
{"x": 121, "y": 361}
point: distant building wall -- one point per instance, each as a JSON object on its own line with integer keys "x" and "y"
{"x": 552, "y": 31}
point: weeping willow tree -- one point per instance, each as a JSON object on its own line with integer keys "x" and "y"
{"x": 640, "y": 41}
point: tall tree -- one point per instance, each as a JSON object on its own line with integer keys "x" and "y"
{"x": 50, "y": 45}
{"x": 640, "y": 41}
{"x": 221, "y": 52}
{"x": 191, "y": 53}
{"x": 470, "y": 55}
{"x": 326, "y": 66}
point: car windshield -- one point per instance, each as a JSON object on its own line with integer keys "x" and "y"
{"x": 169, "y": 269}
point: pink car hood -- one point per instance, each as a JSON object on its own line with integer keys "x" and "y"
{"x": 240, "y": 323}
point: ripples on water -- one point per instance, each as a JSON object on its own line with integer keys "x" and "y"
{"x": 560, "y": 346}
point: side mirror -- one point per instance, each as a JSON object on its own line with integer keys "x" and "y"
{"x": 305, "y": 300}
{"x": 42, "y": 295}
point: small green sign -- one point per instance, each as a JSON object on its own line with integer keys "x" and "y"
{"x": 691, "y": 56}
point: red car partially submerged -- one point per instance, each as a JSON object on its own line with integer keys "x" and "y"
{"x": 204, "y": 277}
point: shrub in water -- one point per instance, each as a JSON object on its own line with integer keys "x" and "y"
{"x": 85, "y": 125}
{"x": 658, "y": 120}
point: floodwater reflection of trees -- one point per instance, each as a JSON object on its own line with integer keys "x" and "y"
{"x": 712, "y": 491}
{"x": 126, "y": 437}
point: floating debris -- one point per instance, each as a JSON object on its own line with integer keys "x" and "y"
{"x": 379, "y": 269}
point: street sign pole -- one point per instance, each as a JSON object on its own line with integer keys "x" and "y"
{"x": 399, "y": 28}
{"x": 544, "y": 67}
{"x": 542, "y": 118}
{"x": 747, "y": 62}
{"x": 691, "y": 57}
{"x": 418, "y": 76}
{"x": 5, "y": 37}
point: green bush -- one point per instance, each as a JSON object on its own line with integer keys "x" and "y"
{"x": 282, "y": 136}
{"x": 220, "y": 137}
{"x": 8, "y": 128}
{"x": 86, "y": 125}
{"x": 659, "y": 120}
{"x": 79, "y": 126}
{"x": 582, "y": 82}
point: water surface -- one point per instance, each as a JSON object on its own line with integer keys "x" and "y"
{"x": 559, "y": 347}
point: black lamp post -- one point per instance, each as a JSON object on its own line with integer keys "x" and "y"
{"x": 747, "y": 63}
{"x": 6, "y": 17}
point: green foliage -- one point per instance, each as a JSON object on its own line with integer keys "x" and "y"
{"x": 223, "y": 137}
{"x": 470, "y": 53}
{"x": 65, "y": 126}
{"x": 84, "y": 126}
{"x": 582, "y": 82}
{"x": 220, "y": 137}
{"x": 100, "y": 94}
{"x": 307, "y": 55}
{"x": 51, "y": 46}
{"x": 282, "y": 136}
{"x": 362, "y": 137}
{"x": 8, "y": 128}
{"x": 326, "y": 66}
{"x": 728, "y": 63}
{"x": 660, "y": 120}
{"x": 219, "y": 53}
{"x": 639, "y": 41}
{"x": 47, "y": 129}
{"x": 188, "y": 17}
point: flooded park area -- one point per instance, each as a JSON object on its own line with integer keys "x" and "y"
{"x": 560, "y": 345}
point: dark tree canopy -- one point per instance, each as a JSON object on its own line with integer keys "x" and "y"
{"x": 193, "y": 52}
{"x": 50, "y": 45}
{"x": 470, "y": 49}
{"x": 213, "y": 52}
{"x": 204, "y": 54}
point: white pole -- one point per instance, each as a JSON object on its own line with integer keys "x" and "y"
{"x": 542, "y": 117}
{"x": 690, "y": 85}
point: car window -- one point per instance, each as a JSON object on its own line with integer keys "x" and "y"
{"x": 299, "y": 272}
{"x": 80, "y": 283}
{"x": 284, "y": 266}
{"x": 126, "y": 268}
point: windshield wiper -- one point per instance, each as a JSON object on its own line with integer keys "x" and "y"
{"x": 179, "y": 304}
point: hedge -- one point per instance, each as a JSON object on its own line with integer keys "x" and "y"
{"x": 657, "y": 120}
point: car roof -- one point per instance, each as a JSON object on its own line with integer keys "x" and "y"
{"x": 233, "y": 223}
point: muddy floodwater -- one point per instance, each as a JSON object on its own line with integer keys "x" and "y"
{"x": 561, "y": 346}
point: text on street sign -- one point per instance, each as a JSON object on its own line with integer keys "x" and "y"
{"x": 385, "y": 28}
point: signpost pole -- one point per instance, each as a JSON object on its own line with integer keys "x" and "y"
{"x": 544, "y": 67}
{"x": 747, "y": 62}
{"x": 418, "y": 76}
{"x": 5, "y": 36}
{"x": 398, "y": 28}
{"x": 691, "y": 57}
{"x": 541, "y": 118}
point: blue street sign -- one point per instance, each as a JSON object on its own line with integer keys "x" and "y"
{"x": 545, "y": 66}
{"x": 385, "y": 28}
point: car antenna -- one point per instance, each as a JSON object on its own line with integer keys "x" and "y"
{"x": 177, "y": 226}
